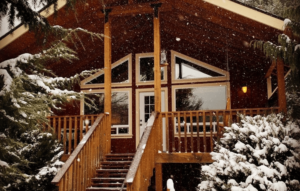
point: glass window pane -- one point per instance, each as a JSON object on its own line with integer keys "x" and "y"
{"x": 146, "y": 99}
{"x": 120, "y": 108}
{"x": 201, "y": 98}
{"x": 123, "y": 131}
{"x": 188, "y": 70}
{"x": 151, "y": 108}
{"x": 147, "y": 69}
{"x": 147, "y": 109}
{"x": 151, "y": 99}
{"x": 98, "y": 99}
{"x": 119, "y": 74}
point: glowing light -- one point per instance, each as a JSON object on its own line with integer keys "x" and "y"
{"x": 244, "y": 88}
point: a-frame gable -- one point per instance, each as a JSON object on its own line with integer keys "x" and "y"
{"x": 192, "y": 70}
{"x": 93, "y": 82}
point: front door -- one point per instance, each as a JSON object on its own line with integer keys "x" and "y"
{"x": 147, "y": 107}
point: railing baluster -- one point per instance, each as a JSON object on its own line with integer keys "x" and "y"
{"x": 179, "y": 132}
{"x": 59, "y": 129}
{"x": 218, "y": 127}
{"x": 167, "y": 131}
{"x": 185, "y": 132}
{"x": 54, "y": 125}
{"x": 204, "y": 131}
{"x": 230, "y": 119}
{"x": 65, "y": 135}
{"x": 81, "y": 127}
{"x": 191, "y": 130}
{"x": 211, "y": 134}
{"x": 76, "y": 132}
{"x": 173, "y": 134}
{"x": 70, "y": 135}
{"x": 198, "y": 137}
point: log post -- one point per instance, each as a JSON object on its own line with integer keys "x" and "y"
{"x": 281, "y": 86}
{"x": 158, "y": 177}
{"x": 157, "y": 73}
{"x": 107, "y": 75}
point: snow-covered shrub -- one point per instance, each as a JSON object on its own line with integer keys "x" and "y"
{"x": 258, "y": 154}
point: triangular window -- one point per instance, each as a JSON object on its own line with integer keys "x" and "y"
{"x": 120, "y": 75}
{"x": 188, "y": 69}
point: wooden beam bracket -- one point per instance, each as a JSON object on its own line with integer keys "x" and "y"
{"x": 155, "y": 7}
{"x": 106, "y": 13}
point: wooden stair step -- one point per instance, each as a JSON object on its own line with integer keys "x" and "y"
{"x": 115, "y": 162}
{"x": 118, "y": 180}
{"x": 111, "y": 170}
{"x": 116, "y": 166}
{"x": 107, "y": 184}
{"x": 120, "y": 154}
{"x": 121, "y": 175}
{"x": 105, "y": 189}
{"x": 119, "y": 159}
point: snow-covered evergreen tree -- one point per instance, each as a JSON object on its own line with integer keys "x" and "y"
{"x": 28, "y": 91}
{"x": 258, "y": 154}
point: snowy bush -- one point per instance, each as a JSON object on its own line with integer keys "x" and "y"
{"x": 260, "y": 153}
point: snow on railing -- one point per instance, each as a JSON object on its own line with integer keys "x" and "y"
{"x": 144, "y": 157}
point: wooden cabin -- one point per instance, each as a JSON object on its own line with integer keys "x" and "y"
{"x": 174, "y": 74}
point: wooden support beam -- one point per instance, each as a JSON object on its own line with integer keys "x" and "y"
{"x": 269, "y": 87}
{"x": 157, "y": 74}
{"x": 184, "y": 158}
{"x": 133, "y": 9}
{"x": 281, "y": 85}
{"x": 107, "y": 75}
{"x": 270, "y": 70}
{"x": 158, "y": 177}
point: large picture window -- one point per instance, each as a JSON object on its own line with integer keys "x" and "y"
{"x": 121, "y": 109}
{"x": 199, "y": 97}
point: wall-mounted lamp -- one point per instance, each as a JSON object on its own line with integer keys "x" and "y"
{"x": 244, "y": 88}
{"x": 163, "y": 58}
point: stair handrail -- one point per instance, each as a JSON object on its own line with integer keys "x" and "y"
{"x": 80, "y": 167}
{"x": 151, "y": 129}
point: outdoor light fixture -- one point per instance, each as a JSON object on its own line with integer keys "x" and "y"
{"x": 244, "y": 88}
{"x": 86, "y": 122}
{"x": 163, "y": 58}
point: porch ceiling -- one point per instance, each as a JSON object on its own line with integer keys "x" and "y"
{"x": 207, "y": 33}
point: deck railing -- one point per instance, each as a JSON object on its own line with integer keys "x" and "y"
{"x": 190, "y": 137}
{"x": 80, "y": 167}
{"x": 196, "y": 131}
{"x": 70, "y": 129}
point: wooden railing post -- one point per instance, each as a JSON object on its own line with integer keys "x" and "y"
{"x": 281, "y": 86}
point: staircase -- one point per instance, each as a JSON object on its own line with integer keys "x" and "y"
{"x": 112, "y": 173}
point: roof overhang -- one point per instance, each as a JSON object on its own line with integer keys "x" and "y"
{"x": 141, "y": 8}
{"x": 248, "y": 13}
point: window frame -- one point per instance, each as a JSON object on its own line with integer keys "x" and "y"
{"x": 137, "y": 70}
{"x": 127, "y": 90}
{"x": 84, "y": 83}
{"x": 186, "y": 86}
{"x": 175, "y": 54}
